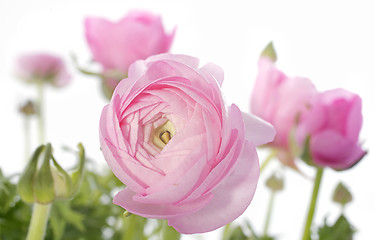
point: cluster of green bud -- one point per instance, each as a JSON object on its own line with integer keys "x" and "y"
{"x": 45, "y": 182}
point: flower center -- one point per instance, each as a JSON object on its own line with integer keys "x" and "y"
{"x": 163, "y": 134}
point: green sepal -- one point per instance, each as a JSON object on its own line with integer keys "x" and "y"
{"x": 269, "y": 51}
{"x": 306, "y": 154}
{"x": 44, "y": 189}
{"x": 25, "y": 186}
{"x": 76, "y": 176}
{"x": 62, "y": 182}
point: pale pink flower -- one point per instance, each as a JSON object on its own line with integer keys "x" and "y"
{"x": 332, "y": 125}
{"x": 280, "y": 99}
{"x": 116, "y": 45}
{"x": 182, "y": 153}
{"x": 43, "y": 67}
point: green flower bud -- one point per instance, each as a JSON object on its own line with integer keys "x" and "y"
{"x": 275, "y": 182}
{"x": 269, "y": 52}
{"x": 342, "y": 195}
{"x": 48, "y": 183}
{"x": 44, "y": 191}
{"x": 25, "y": 185}
{"x": 28, "y": 108}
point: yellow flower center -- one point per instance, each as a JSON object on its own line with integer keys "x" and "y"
{"x": 163, "y": 134}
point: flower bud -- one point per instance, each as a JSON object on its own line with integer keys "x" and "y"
{"x": 275, "y": 183}
{"x": 269, "y": 52}
{"x": 28, "y": 108}
{"x": 342, "y": 195}
{"x": 45, "y": 183}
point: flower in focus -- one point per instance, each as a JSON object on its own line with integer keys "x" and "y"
{"x": 182, "y": 153}
{"x": 332, "y": 127}
{"x": 44, "y": 68}
{"x": 116, "y": 45}
{"x": 280, "y": 99}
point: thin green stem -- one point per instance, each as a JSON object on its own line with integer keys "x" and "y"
{"x": 26, "y": 128}
{"x": 268, "y": 159}
{"x": 40, "y": 111}
{"x": 269, "y": 213}
{"x": 314, "y": 197}
{"x": 39, "y": 219}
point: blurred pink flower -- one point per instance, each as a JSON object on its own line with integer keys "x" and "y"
{"x": 333, "y": 124}
{"x": 280, "y": 99}
{"x": 116, "y": 45}
{"x": 183, "y": 155}
{"x": 42, "y": 67}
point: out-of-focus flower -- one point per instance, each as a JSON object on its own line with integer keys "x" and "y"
{"x": 116, "y": 45}
{"x": 280, "y": 99}
{"x": 330, "y": 129}
{"x": 183, "y": 155}
{"x": 42, "y": 68}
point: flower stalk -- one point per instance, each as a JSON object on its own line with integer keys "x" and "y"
{"x": 268, "y": 160}
{"x": 38, "y": 223}
{"x": 40, "y": 114}
{"x": 314, "y": 197}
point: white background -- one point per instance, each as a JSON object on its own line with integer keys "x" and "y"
{"x": 330, "y": 42}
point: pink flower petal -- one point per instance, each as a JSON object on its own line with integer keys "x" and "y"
{"x": 258, "y": 131}
{"x": 160, "y": 211}
{"x": 334, "y": 150}
{"x": 230, "y": 199}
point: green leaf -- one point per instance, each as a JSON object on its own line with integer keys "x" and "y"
{"x": 70, "y": 216}
{"x": 78, "y": 174}
{"x": 340, "y": 230}
{"x": 237, "y": 234}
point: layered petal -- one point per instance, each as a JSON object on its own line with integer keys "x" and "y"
{"x": 229, "y": 200}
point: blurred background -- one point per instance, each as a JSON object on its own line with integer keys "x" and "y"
{"x": 330, "y": 42}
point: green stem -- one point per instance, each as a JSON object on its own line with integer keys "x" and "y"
{"x": 39, "y": 219}
{"x": 268, "y": 159}
{"x": 269, "y": 213}
{"x": 310, "y": 215}
{"x": 41, "y": 111}
{"x": 26, "y": 127}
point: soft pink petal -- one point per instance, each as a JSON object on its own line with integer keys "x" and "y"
{"x": 216, "y": 71}
{"x": 125, "y": 199}
{"x": 189, "y": 61}
{"x": 354, "y": 121}
{"x": 258, "y": 131}
{"x": 230, "y": 200}
{"x": 331, "y": 149}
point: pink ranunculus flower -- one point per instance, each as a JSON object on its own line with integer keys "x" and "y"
{"x": 332, "y": 125}
{"x": 116, "y": 45}
{"x": 280, "y": 99}
{"x": 182, "y": 153}
{"x": 43, "y": 67}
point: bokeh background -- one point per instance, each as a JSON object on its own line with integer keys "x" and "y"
{"x": 330, "y": 42}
